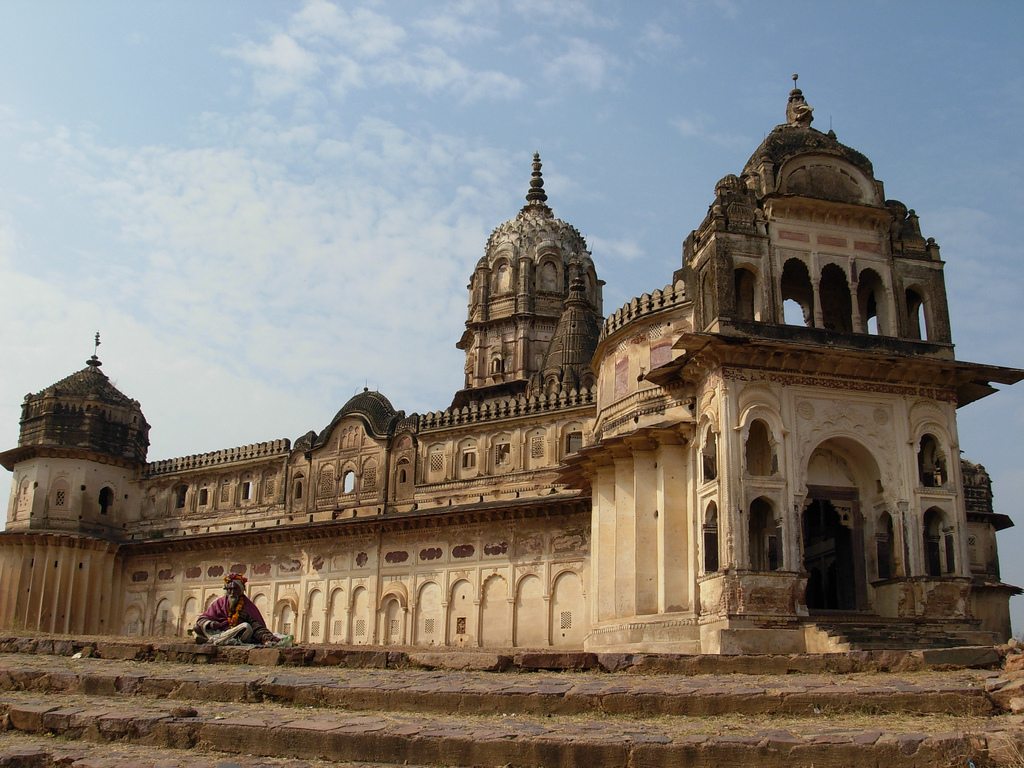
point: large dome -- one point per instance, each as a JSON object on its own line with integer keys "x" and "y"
{"x": 535, "y": 230}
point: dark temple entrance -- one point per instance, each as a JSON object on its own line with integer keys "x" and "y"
{"x": 833, "y": 539}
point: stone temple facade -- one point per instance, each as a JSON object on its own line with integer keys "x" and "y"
{"x": 762, "y": 455}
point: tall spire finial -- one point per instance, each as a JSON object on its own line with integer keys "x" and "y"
{"x": 94, "y": 362}
{"x": 536, "y": 193}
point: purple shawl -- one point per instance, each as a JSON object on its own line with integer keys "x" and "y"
{"x": 219, "y": 611}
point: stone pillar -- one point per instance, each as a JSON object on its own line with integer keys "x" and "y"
{"x": 81, "y": 594}
{"x": 110, "y": 621}
{"x": 646, "y": 522}
{"x": 602, "y": 556}
{"x": 10, "y": 582}
{"x": 548, "y": 637}
{"x": 676, "y": 551}
{"x": 40, "y": 561}
{"x": 57, "y": 598}
{"x": 625, "y": 537}
{"x": 819, "y": 316}
{"x": 68, "y": 584}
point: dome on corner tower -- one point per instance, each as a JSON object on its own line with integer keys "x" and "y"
{"x": 85, "y": 411}
{"x": 796, "y": 159}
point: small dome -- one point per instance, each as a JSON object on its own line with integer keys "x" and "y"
{"x": 787, "y": 141}
{"x": 86, "y": 411}
{"x": 824, "y": 177}
{"x": 90, "y": 382}
{"x": 374, "y": 410}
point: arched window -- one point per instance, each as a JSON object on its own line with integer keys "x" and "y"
{"x": 759, "y": 456}
{"x": 745, "y": 286}
{"x": 348, "y": 481}
{"x": 939, "y": 544}
{"x": 836, "y": 306}
{"x": 916, "y": 315}
{"x": 764, "y": 536}
{"x": 872, "y": 305}
{"x": 106, "y": 499}
{"x": 931, "y": 464}
{"x": 797, "y": 294}
{"x": 884, "y": 546}
{"x": 179, "y": 496}
{"x": 711, "y": 538}
{"x": 298, "y": 488}
{"x": 709, "y": 456}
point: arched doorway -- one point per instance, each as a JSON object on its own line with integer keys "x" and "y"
{"x": 833, "y": 537}
{"x": 842, "y": 478}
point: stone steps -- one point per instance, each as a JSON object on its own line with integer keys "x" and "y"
{"x": 894, "y": 636}
{"x": 754, "y": 712}
{"x": 509, "y": 739}
{"x": 539, "y": 694}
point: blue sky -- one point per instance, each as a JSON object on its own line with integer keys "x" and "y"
{"x": 265, "y": 206}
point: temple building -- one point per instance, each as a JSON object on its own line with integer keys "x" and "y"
{"x": 759, "y": 456}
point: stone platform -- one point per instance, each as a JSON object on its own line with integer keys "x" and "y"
{"x": 96, "y": 702}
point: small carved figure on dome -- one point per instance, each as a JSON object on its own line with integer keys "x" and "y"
{"x": 797, "y": 111}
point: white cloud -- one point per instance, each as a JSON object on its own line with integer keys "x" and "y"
{"x": 624, "y": 250}
{"x": 281, "y": 67}
{"x": 451, "y": 30}
{"x": 582, "y": 62}
{"x": 432, "y": 70}
{"x": 252, "y": 271}
{"x": 362, "y": 49}
{"x": 574, "y": 12}
{"x": 655, "y": 36}
{"x": 701, "y": 127}
{"x": 362, "y": 33}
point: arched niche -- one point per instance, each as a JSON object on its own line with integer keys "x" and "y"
{"x": 764, "y": 536}
{"x": 709, "y": 455}
{"x": 710, "y": 542}
{"x": 745, "y": 291}
{"x": 918, "y": 323}
{"x": 759, "y": 453}
{"x": 939, "y": 543}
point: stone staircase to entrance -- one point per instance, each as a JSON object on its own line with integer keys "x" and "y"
{"x": 854, "y": 632}
{"x": 98, "y": 702}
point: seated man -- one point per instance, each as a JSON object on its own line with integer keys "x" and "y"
{"x": 233, "y": 619}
